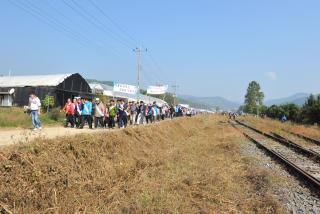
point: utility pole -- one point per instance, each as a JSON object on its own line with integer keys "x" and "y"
{"x": 138, "y": 52}
{"x": 175, "y": 88}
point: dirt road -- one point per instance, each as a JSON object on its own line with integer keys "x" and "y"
{"x": 12, "y": 136}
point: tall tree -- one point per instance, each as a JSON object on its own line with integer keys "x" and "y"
{"x": 254, "y": 98}
{"x": 310, "y": 112}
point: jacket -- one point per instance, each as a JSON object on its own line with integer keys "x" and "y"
{"x": 69, "y": 108}
{"x": 99, "y": 110}
{"x": 87, "y": 108}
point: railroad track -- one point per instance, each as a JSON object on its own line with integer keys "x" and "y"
{"x": 286, "y": 142}
{"x": 305, "y": 166}
{"x": 298, "y": 140}
{"x": 304, "y": 137}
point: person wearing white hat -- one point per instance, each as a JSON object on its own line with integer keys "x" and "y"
{"x": 133, "y": 112}
{"x": 99, "y": 112}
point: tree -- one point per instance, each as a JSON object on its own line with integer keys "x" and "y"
{"x": 310, "y": 112}
{"x": 48, "y": 102}
{"x": 291, "y": 111}
{"x": 275, "y": 111}
{"x": 254, "y": 98}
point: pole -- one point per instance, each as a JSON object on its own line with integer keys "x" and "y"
{"x": 175, "y": 87}
{"x": 138, "y": 52}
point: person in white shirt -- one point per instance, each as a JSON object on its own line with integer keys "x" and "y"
{"x": 34, "y": 106}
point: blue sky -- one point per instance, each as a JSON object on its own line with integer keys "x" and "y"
{"x": 209, "y": 48}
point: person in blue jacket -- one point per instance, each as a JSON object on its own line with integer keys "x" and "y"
{"x": 284, "y": 119}
{"x": 86, "y": 114}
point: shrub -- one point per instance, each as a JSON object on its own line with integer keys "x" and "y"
{"x": 55, "y": 114}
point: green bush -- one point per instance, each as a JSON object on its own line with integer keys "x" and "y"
{"x": 55, "y": 114}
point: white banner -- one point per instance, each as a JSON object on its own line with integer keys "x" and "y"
{"x": 124, "y": 88}
{"x": 157, "y": 89}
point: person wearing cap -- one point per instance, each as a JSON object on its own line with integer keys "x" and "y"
{"x": 98, "y": 113}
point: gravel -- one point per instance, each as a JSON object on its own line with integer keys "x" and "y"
{"x": 296, "y": 197}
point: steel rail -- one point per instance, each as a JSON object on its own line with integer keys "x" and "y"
{"x": 305, "y": 176}
{"x": 310, "y": 139}
{"x": 304, "y": 151}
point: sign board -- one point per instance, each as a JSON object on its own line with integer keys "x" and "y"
{"x": 157, "y": 89}
{"x": 124, "y": 88}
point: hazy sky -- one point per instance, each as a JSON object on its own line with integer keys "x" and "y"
{"x": 208, "y": 47}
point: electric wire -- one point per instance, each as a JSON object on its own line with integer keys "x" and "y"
{"x": 113, "y": 22}
{"x": 81, "y": 11}
{"x": 38, "y": 16}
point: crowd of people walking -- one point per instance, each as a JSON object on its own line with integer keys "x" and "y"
{"x": 116, "y": 113}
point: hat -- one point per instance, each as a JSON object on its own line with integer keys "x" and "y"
{"x": 131, "y": 100}
{"x": 97, "y": 99}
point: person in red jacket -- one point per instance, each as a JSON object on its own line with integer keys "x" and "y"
{"x": 69, "y": 109}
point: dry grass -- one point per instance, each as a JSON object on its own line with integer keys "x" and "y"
{"x": 181, "y": 166}
{"x": 268, "y": 125}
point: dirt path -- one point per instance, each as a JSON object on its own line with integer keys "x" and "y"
{"x": 12, "y": 136}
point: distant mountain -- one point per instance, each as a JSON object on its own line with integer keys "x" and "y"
{"x": 298, "y": 99}
{"x": 212, "y": 102}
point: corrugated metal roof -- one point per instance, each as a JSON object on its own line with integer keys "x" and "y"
{"x": 33, "y": 80}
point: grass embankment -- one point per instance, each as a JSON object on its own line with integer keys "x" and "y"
{"x": 189, "y": 165}
{"x": 15, "y": 117}
{"x": 268, "y": 125}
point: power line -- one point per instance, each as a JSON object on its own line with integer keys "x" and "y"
{"x": 78, "y": 9}
{"x": 57, "y": 25}
{"x": 38, "y": 16}
{"x": 146, "y": 76}
{"x": 93, "y": 20}
{"x": 113, "y": 22}
{"x": 102, "y": 43}
{"x": 154, "y": 62}
{"x": 153, "y": 69}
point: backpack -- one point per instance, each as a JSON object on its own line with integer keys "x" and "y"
{"x": 112, "y": 111}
